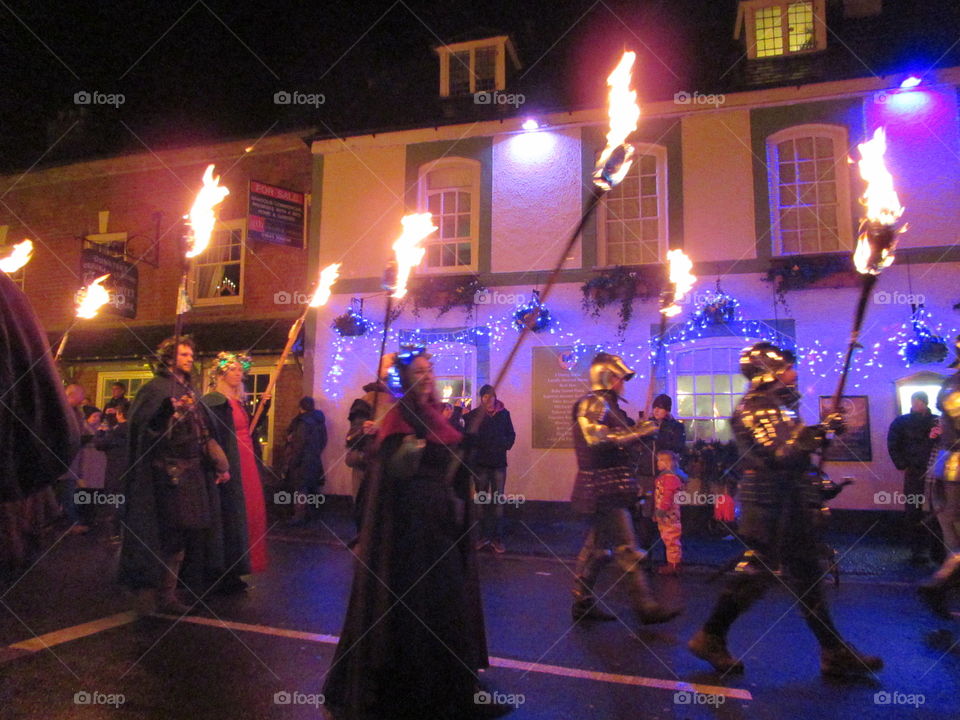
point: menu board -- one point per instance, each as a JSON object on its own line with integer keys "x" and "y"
{"x": 561, "y": 375}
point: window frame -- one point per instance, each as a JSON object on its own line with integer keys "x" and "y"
{"x": 267, "y": 447}
{"x": 446, "y": 52}
{"x": 423, "y": 195}
{"x": 747, "y": 18}
{"x": 112, "y": 376}
{"x": 839, "y": 137}
{"x": 659, "y": 152}
{"x": 221, "y": 226}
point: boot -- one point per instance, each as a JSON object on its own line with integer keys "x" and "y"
{"x": 846, "y": 661}
{"x": 167, "y": 601}
{"x": 649, "y": 611}
{"x": 934, "y": 592}
{"x": 713, "y": 649}
{"x": 585, "y": 604}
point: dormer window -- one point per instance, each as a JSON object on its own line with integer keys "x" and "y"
{"x": 475, "y": 66}
{"x": 780, "y": 28}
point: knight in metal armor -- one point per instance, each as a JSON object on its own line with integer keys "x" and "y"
{"x": 780, "y": 503}
{"x": 606, "y": 490}
{"x": 946, "y": 473}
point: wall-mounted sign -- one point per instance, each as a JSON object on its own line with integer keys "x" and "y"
{"x": 854, "y": 444}
{"x": 122, "y": 283}
{"x": 275, "y": 215}
{"x": 561, "y": 375}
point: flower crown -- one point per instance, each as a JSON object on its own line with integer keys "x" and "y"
{"x": 225, "y": 360}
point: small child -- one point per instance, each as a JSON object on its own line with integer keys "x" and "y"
{"x": 667, "y": 513}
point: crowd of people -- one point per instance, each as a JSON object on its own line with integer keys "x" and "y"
{"x": 193, "y": 520}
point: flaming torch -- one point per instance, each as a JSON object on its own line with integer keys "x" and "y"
{"x": 408, "y": 253}
{"x": 612, "y": 166}
{"x": 681, "y": 280}
{"x": 328, "y": 276}
{"x": 89, "y": 301}
{"x": 877, "y": 240}
{"x": 19, "y": 256}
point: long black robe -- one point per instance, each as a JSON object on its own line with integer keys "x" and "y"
{"x": 142, "y": 550}
{"x": 413, "y": 637}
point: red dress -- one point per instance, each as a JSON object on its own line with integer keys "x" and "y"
{"x": 252, "y": 489}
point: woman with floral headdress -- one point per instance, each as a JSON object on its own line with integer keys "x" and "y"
{"x": 413, "y": 639}
{"x": 242, "y": 503}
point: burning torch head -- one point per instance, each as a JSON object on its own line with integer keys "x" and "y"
{"x": 609, "y": 175}
{"x": 763, "y": 363}
{"x": 606, "y": 370}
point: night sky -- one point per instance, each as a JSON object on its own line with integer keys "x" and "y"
{"x": 200, "y": 70}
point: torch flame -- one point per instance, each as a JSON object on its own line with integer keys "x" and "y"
{"x": 878, "y": 238}
{"x": 90, "y": 298}
{"x": 624, "y": 115}
{"x": 880, "y": 198}
{"x": 328, "y": 277}
{"x": 19, "y": 256}
{"x": 202, "y": 217}
{"x": 409, "y": 253}
{"x": 681, "y": 279}
{"x": 447, "y": 392}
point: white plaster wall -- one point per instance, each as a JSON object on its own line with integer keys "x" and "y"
{"x": 536, "y": 198}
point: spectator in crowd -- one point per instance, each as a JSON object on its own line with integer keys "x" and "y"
{"x": 39, "y": 431}
{"x": 910, "y": 444}
{"x": 670, "y": 435}
{"x": 92, "y": 469}
{"x": 306, "y": 441}
{"x": 113, "y": 440}
{"x": 71, "y": 480}
{"x": 669, "y": 482}
{"x": 172, "y": 501}
{"x": 118, "y": 396}
{"x": 491, "y": 436}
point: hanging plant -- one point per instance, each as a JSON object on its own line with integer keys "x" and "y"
{"x": 718, "y": 308}
{"x": 445, "y": 292}
{"x": 802, "y": 272}
{"x": 926, "y": 347}
{"x": 623, "y": 285}
{"x": 522, "y": 315}
{"x": 351, "y": 324}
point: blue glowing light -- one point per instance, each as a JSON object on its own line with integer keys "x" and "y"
{"x": 910, "y": 82}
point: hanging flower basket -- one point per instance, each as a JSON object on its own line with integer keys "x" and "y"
{"x": 718, "y": 308}
{"x": 445, "y": 292}
{"x": 926, "y": 347}
{"x": 623, "y": 285}
{"x": 805, "y": 272}
{"x": 522, "y": 315}
{"x": 351, "y": 324}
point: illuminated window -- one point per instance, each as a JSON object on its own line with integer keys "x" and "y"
{"x": 454, "y": 371}
{"x": 633, "y": 216}
{"x": 475, "y": 66}
{"x": 708, "y": 387}
{"x": 780, "y": 27}
{"x": 450, "y": 192}
{"x": 809, "y": 190}
{"x": 255, "y": 384}
{"x": 927, "y": 381}
{"x": 217, "y": 274}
